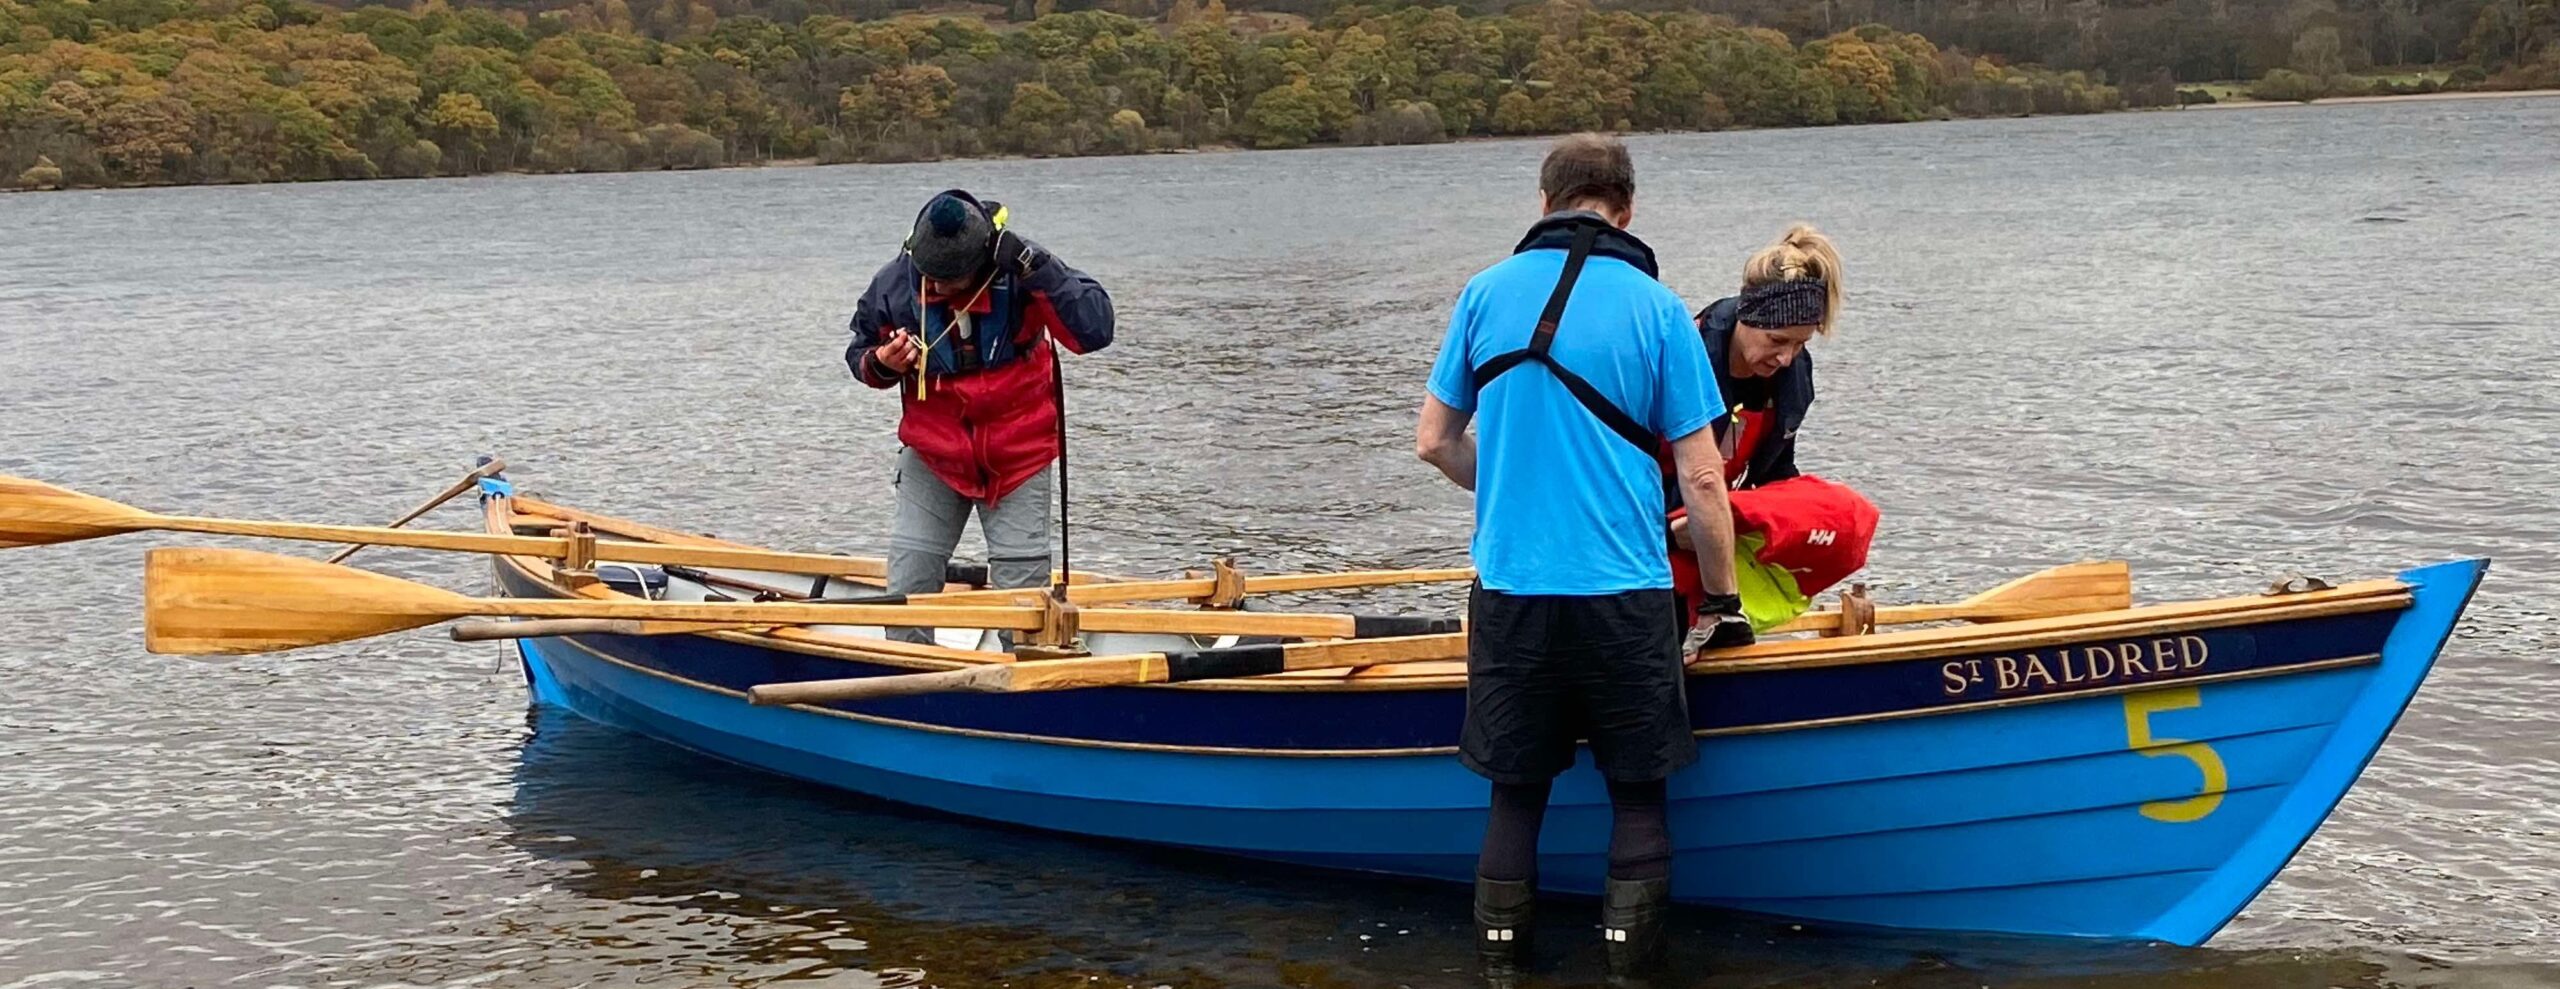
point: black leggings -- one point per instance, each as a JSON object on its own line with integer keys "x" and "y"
{"x": 1639, "y": 831}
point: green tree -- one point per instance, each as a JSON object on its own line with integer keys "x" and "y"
{"x": 1287, "y": 116}
{"x": 1127, "y": 132}
{"x": 463, "y": 127}
{"x": 1040, "y": 120}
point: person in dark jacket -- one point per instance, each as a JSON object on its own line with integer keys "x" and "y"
{"x": 966, "y": 323}
{"x": 1791, "y": 292}
{"x": 1756, "y": 339}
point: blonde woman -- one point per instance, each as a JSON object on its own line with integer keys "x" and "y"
{"x": 1801, "y": 534}
{"x": 1756, "y": 340}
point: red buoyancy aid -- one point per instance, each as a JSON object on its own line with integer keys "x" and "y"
{"x": 1817, "y": 531}
{"x": 987, "y": 431}
{"x": 1752, "y": 424}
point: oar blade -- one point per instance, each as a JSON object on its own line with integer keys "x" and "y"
{"x": 228, "y": 602}
{"x": 2071, "y": 589}
{"x": 33, "y": 513}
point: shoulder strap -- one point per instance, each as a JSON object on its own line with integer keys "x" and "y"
{"x": 1545, "y": 334}
{"x": 1608, "y": 413}
{"x": 1544, "y": 337}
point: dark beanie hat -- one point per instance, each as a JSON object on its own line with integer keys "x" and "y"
{"x": 953, "y": 237}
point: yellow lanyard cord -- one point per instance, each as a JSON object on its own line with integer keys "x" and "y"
{"x": 924, "y": 353}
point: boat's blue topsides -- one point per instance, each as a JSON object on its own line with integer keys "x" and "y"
{"x": 2132, "y": 782}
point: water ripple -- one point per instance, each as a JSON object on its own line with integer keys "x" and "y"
{"x": 2119, "y": 337}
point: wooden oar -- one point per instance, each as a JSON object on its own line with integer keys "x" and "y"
{"x": 2070, "y": 589}
{"x": 230, "y": 601}
{"x": 33, "y": 513}
{"x": 1128, "y": 591}
{"x": 1122, "y": 671}
{"x": 469, "y": 481}
{"x": 543, "y": 628}
{"x": 2078, "y": 588}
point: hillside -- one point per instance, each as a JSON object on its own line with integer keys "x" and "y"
{"x": 97, "y": 92}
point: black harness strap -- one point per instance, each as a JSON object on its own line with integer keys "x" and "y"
{"x": 1544, "y": 337}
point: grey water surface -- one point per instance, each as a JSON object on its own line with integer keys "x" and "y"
{"x": 2223, "y": 346}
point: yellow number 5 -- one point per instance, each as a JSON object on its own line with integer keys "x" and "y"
{"x": 2138, "y": 709}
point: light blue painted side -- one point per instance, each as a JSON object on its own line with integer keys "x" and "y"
{"x": 2025, "y": 819}
{"x": 2440, "y": 594}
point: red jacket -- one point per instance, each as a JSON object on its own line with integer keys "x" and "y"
{"x": 988, "y": 417}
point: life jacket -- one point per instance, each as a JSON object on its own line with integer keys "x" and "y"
{"x": 990, "y": 333}
{"x": 1739, "y": 442}
{"x": 1586, "y": 229}
{"x": 987, "y": 419}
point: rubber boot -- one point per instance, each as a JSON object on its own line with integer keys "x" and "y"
{"x": 1631, "y": 918}
{"x": 1503, "y": 910}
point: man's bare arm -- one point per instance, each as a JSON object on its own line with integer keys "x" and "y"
{"x": 1441, "y": 440}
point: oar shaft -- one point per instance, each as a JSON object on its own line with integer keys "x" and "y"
{"x": 1131, "y": 591}
{"x": 539, "y": 628}
{"x": 469, "y": 542}
{"x": 763, "y": 613}
{"x": 1272, "y": 623}
{"x": 537, "y": 546}
{"x": 1284, "y": 624}
{"x": 1286, "y": 583}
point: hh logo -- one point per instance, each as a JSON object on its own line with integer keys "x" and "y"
{"x": 1822, "y": 537}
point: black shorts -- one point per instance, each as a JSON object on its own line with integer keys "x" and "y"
{"x": 1544, "y": 672}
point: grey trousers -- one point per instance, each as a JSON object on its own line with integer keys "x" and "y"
{"x": 928, "y": 526}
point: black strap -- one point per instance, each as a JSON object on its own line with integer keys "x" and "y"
{"x": 1544, "y": 336}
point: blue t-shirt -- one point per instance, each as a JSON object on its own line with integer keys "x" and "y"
{"x": 1564, "y": 505}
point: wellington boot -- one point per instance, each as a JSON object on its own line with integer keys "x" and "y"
{"x": 1631, "y": 919}
{"x": 1503, "y": 911}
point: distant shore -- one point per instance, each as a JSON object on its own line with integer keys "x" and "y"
{"x": 1225, "y": 148}
{"x": 2467, "y": 94}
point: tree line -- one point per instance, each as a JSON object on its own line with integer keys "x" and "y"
{"x": 103, "y": 92}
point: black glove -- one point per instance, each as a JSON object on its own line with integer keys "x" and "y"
{"x": 1720, "y": 615}
{"x": 1017, "y": 255}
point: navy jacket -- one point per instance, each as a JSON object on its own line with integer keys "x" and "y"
{"x": 1788, "y": 394}
{"x": 1077, "y": 302}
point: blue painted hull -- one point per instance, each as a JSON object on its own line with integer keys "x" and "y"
{"x": 2155, "y": 812}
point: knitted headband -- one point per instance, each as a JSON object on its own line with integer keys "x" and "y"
{"x": 1797, "y": 302}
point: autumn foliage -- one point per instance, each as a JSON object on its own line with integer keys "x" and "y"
{"x": 100, "y": 92}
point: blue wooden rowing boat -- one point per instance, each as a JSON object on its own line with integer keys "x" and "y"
{"x": 2134, "y": 773}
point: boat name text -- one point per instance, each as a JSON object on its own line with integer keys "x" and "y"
{"x": 2075, "y": 667}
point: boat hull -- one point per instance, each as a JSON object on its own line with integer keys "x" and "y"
{"x": 2149, "y": 806}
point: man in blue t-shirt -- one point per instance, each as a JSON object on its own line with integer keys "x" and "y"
{"x": 1578, "y": 364}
